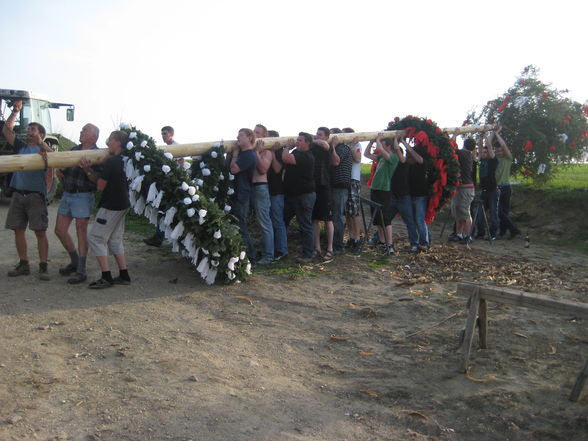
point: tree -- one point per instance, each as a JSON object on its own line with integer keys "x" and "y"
{"x": 540, "y": 124}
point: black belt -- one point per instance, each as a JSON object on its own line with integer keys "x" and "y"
{"x": 257, "y": 184}
{"x": 77, "y": 191}
{"x": 26, "y": 192}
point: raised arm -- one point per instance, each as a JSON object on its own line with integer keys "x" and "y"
{"x": 367, "y": 152}
{"x": 412, "y": 152}
{"x": 234, "y": 168}
{"x": 355, "y": 151}
{"x": 287, "y": 156}
{"x": 7, "y": 128}
{"x": 507, "y": 152}
{"x": 277, "y": 163}
{"x": 489, "y": 147}
{"x": 380, "y": 147}
{"x": 335, "y": 159}
{"x": 399, "y": 151}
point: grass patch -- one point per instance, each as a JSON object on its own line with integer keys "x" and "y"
{"x": 290, "y": 271}
{"x": 565, "y": 177}
{"x": 379, "y": 261}
{"x": 138, "y": 224}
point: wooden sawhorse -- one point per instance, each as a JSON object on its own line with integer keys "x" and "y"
{"x": 477, "y": 312}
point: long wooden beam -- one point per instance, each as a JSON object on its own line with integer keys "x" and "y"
{"x": 11, "y": 163}
{"x": 519, "y": 298}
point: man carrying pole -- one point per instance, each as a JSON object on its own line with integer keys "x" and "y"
{"x": 79, "y": 185}
{"x": 28, "y": 204}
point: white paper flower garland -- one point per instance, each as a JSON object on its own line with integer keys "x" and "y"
{"x": 192, "y": 209}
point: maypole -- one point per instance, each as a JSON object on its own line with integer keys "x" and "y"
{"x": 11, "y": 163}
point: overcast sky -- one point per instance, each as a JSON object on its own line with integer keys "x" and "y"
{"x": 209, "y": 68}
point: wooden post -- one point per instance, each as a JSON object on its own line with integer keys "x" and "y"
{"x": 469, "y": 330}
{"x": 483, "y": 323}
{"x": 11, "y": 163}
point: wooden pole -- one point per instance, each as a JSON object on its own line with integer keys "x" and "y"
{"x": 11, "y": 163}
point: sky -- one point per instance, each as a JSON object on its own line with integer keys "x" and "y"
{"x": 208, "y": 68}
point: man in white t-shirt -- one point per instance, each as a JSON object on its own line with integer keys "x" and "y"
{"x": 167, "y": 134}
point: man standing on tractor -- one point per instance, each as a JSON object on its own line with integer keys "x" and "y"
{"x": 79, "y": 185}
{"x": 28, "y": 203}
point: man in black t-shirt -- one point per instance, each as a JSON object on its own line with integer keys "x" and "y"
{"x": 324, "y": 157}
{"x": 106, "y": 235}
{"x": 299, "y": 187}
{"x": 490, "y": 192}
{"x": 401, "y": 201}
{"x": 419, "y": 191}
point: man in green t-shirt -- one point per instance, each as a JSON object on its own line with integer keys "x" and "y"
{"x": 502, "y": 174}
{"x": 388, "y": 154}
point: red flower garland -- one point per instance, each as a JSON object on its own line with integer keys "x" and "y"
{"x": 443, "y": 165}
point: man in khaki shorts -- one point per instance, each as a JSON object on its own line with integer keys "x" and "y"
{"x": 28, "y": 205}
{"x": 460, "y": 205}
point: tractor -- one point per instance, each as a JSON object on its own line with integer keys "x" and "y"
{"x": 36, "y": 108}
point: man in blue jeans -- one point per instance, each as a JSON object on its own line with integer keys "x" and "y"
{"x": 419, "y": 190}
{"x": 340, "y": 184}
{"x": 504, "y": 157}
{"x": 299, "y": 188}
{"x": 275, "y": 182}
{"x": 261, "y": 196}
{"x": 242, "y": 163}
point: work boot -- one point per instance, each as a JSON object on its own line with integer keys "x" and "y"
{"x": 153, "y": 241}
{"x": 77, "y": 278}
{"x": 22, "y": 269}
{"x": 43, "y": 273}
{"x": 67, "y": 270}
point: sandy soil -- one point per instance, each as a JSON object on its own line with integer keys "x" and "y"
{"x": 361, "y": 348}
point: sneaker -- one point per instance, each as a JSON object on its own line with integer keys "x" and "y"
{"x": 100, "y": 284}
{"x": 280, "y": 257}
{"x": 153, "y": 241}
{"x": 77, "y": 278}
{"x": 414, "y": 249}
{"x": 44, "y": 275}
{"x": 304, "y": 260}
{"x": 264, "y": 261}
{"x": 22, "y": 269}
{"x": 67, "y": 270}
{"x": 454, "y": 238}
{"x": 390, "y": 249}
{"x": 119, "y": 281}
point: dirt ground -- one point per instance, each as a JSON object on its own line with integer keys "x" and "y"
{"x": 360, "y": 348}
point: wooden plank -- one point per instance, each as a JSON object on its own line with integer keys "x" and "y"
{"x": 579, "y": 385}
{"x": 469, "y": 330}
{"x": 519, "y": 298}
{"x": 11, "y": 163}
{"x": 483, "y": 323}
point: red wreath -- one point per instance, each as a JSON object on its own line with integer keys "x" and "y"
{"x": 442, "y": 164}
